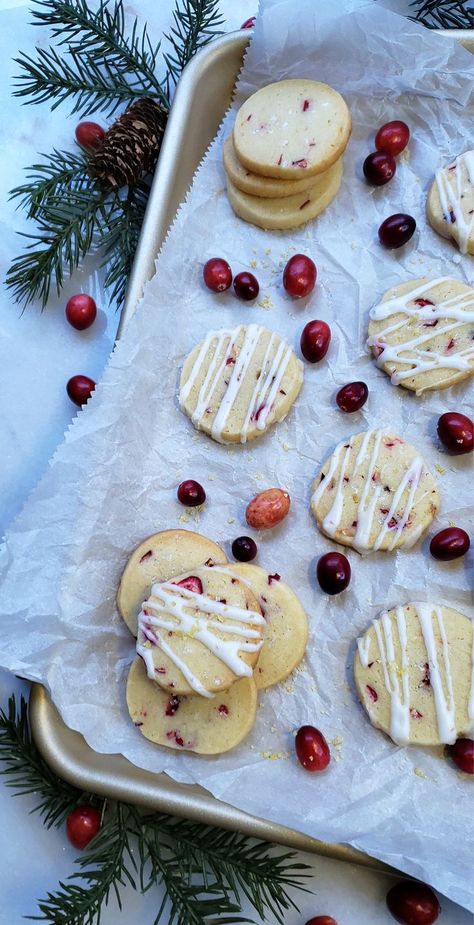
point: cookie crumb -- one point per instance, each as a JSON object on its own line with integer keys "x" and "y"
{"x": 439, "y": 468}
{"x": 289, "y": 688}
{"x": 266, "y": 302}
{"x": 258, "y": 476}
{"x": 337, "y": 741}
{"x": 420, "y": 773}
{"x": 231, "y": 520}
{"x": 274, "y": 756}
{"x": 285, "y": 447}
{"x": 253, "y": 264}
{"x": 211, "y": 477}
{"x": 184, "y": 519}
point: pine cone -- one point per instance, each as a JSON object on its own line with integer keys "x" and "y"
{"x": 131, "y": 145}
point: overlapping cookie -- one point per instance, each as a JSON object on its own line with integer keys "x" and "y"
{"x": 450, "y": 205}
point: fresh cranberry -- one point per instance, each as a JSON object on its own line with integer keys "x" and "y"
{"x": 462, "y": 753}
{"x": 246, "y": 286}
{"x": 311, "y": 748}
{"x": 352, "y": 396}
{"x": 191, "y": 493}
{"x": 249, "y": 23}
{"x": 217, "y": 274}
{"x": 450, "y": 543}
{"x": 81, "y": 311}
{"x": 322, "y": 920}
{"x": 333, "y": 572}
{"x": 456, "y": 431}
{"x": 396, "y": 230}
{"x": 79, "y": 388}
{"x": 315, "y": 340}
{"x": 379, "y": 168}
{"x": 413, "y": 903}
{"x": 244, "y": 549}
{"x": 82, "y": 825}
{"x": 89, "y": 134}
{"x": 392, "y": 137}
{"x": 299, "y": 276}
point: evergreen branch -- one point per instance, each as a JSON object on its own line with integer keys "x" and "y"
{"x": 121, "y": 239}
{"x": 195, "y": 23}
{"x": 27, "y": 772}
{"x": 63, "y": 170}
{"x": 444, "y": 14}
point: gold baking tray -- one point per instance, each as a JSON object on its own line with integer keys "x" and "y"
{"x": 202, "y": 97}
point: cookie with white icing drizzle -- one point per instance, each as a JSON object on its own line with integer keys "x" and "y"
{"x": 292, "y": 128}
{"x": 236, "y": 383}
{"x": 414, "y": 673}
{"x": 450, "y": 205}
{"x": 207, "y": 727}
{"x": 161, "y": 557}
{"x": 200, "y": 632}
{"x": 256, "y": 185}
{"x": 286, "y": 624}
{"x": 421, "y": 333}
{"x": 374, "y": 493}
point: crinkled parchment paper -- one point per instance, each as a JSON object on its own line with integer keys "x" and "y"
{"x": 113, "y": 480}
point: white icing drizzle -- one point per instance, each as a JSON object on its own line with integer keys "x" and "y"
{"x": 454, "y": 309}
{"x": 470, "y": 705}
{"x": 333, "y": 517}
{"x": 177, "y": 609}
{"x": 366, "y": 509}
{"x": 363, "y": 645}
{"x": 411, "y": 479}
{"x": 321, "y": 488}
{"x": 444, "y": 704}
{"x": 450, "y": 196}
{"x": 399, "y": 696}
{"x": 266, "y": 387}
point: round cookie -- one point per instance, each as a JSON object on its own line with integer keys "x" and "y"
{"x": 292, "y": 127}
{"x": 421, "y": 333}
{"x": 207, "y": 727}
{"x": 256, "y": 185}
{"x": 236, "y": 383}
{"x": 413, "y": 673}
{"x": 450, "y": 204}
{"x": 286, "y": 632}
{"x": 291, "y": 211}
{"x": 374, "y": 492}
{"x": 201, "y": 632}
{"x": 160, "y": 557}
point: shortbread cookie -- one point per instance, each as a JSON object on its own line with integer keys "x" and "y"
{"x": 374, "y": 492}
{"x": 413, "y": 673}
{"x": 159, "y": 558}
{"x": 291, "y": 211}
{"x": 290, "y": 128}
{"x": 421, "y": 333}
{"x": 254, "y": 184}
{"x": 286, "y": 631}
{"x": 208, "y": 727}
{"x": 450, "y": 205}
{"x": 236, "y": 383}
{"x": 200, "y": 632}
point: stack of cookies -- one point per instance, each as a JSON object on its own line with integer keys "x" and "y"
{"x": 210, "y": 634}
{"x": 283, "y": 160}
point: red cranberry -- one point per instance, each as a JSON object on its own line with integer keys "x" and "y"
{"x": 311, "y": 748}
{"x": 191, "y": 493}
{"x": 191, "y": 583}
{"x": 322, "y": 920}
{"x": 462, "y": 753}
{"x": 413, "y": 903}
{"x": 249, "y": 23}
{"x": 244, "y": 549}
{"x": 315, "y": 340}
{"x": 217, "y": 274}
{"x": 82, "y": 825}
{"x": 333, "y": 572}
{"x": 299, "y": 276}
{"x": 379, "y": 168}
{"x": 89, "y": 134}
{"x": 393, "y": 137}
{"x": 456, "y": 431}
{"x": 81, "y": 311}
{"x": 79, "y": 389}
{"x": 246, "y": 286}
{"x": 352, "y": 396}
{"x": 396, "y": 230}
{"x": 450, "y": 543}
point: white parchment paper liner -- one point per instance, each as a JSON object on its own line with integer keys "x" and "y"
{"x": 113, "y": 480}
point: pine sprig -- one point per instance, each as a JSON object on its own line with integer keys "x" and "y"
{"x": 195, "y": 22}
{"x": 444, "y": 14}
{"x": 120, "y": 241}
{"x": 57, "y": 174}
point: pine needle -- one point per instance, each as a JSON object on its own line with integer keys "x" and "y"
{"x": 444, "y": 14}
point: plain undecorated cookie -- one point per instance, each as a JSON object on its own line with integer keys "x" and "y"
{"x": 286, "y": 632}
{"x": 201, "y": 632}
{"x": 374, "y": 492}
{"x": 236, "y": 383}
{"x": 291, "y": 211}
{"x": 253, "y": 183}
{"x": 450, "y": 205}
{"x": 207, "y": 727}
{"x": 291, "y": 128}
{"x": 413, "y": 673}
{"x": 158, "y": 558}
{"x": 421, "y": 333}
